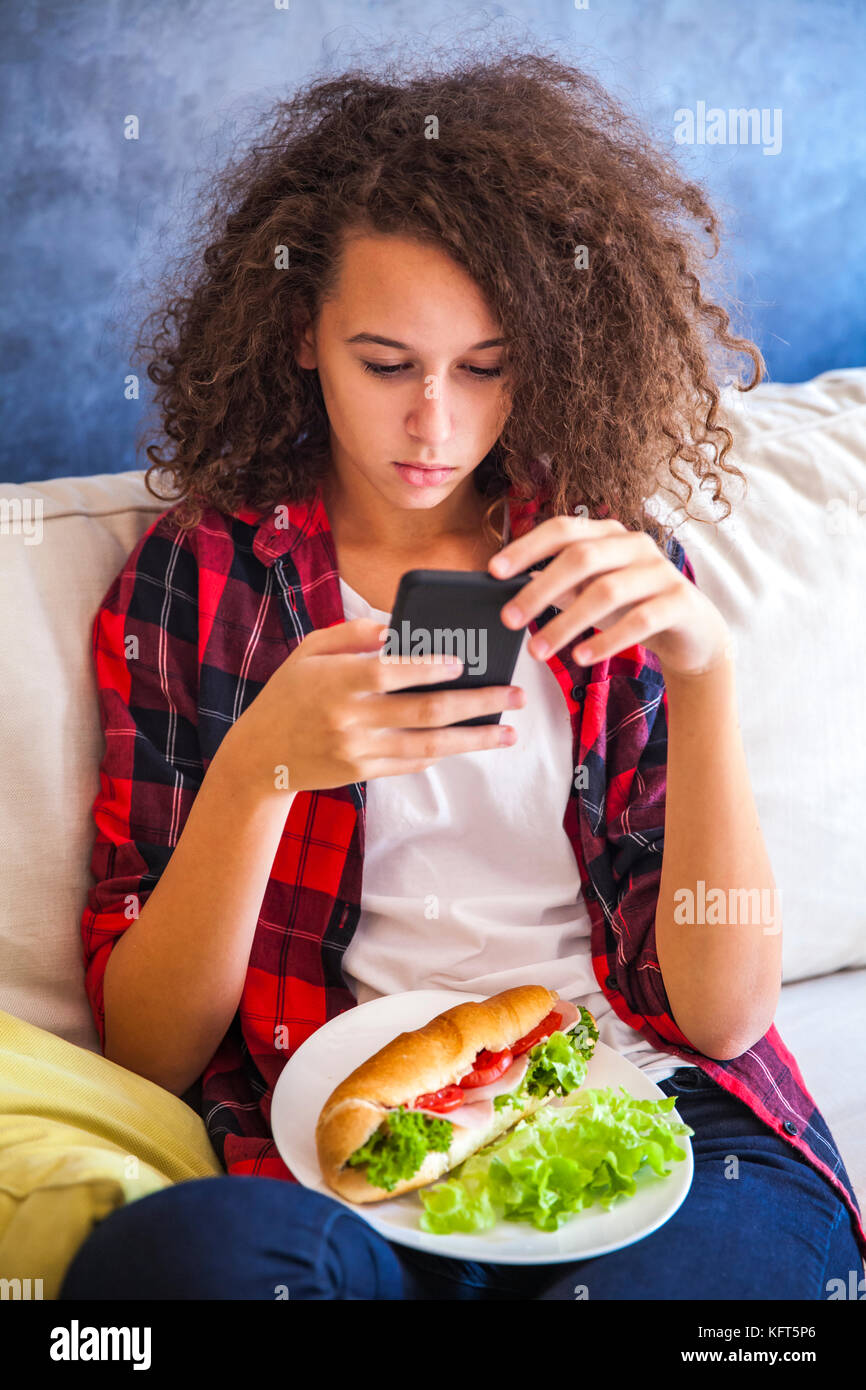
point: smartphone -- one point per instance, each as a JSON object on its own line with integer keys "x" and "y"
{"x": 456, "y": 613}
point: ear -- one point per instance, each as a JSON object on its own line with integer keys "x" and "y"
{"x": 305, "y": 348}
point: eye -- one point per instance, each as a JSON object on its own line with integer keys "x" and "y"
{"x": 378, "y": 369}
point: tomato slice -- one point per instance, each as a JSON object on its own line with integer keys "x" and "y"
{"x": 447, "y": 1099}
{"x": 542, "y": 1030}
{"x": 488, "y": 1067}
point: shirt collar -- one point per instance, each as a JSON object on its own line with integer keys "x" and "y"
{"x": 287, "y": 524}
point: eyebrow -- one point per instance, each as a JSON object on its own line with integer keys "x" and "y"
{"x": 404, "y": 347}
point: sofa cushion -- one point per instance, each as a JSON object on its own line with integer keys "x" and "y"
{"x": 788, "y": 572}
{"x": 53, "y": 576}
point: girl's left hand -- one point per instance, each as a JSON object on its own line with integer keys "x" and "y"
{"x": 663, "y": 610}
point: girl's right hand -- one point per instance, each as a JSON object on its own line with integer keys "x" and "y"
{"x": 325, "y": 717}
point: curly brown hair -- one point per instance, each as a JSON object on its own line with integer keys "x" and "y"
{"x": 612, "y": 352}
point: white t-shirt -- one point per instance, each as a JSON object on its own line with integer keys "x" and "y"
{"x": 470, "y": 881}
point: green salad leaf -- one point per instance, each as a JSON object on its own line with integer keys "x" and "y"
{"x": 397, "y": 1149}
{"x": 557, "y": 1162}
{"x": 557, "y": 1065}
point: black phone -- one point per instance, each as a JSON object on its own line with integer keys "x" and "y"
{"x": 456, "y": 613}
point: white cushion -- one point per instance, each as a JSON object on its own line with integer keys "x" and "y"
{"x": 787, "y": 571}
{"x": 780, "y": 578}
{"x": 50, "y": 736}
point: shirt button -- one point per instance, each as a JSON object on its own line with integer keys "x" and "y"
{"x": 689, "y": 1078}
{"x": 589, "y": 893}
{"x": 611, "y": 982}
{"x": 789, "y": 1127}
{"x": 577, "y": 692}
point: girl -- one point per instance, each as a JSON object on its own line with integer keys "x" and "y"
{"x": 451, "y": 321}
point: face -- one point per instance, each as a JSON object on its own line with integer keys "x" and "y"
{"x": 410, "y": 362}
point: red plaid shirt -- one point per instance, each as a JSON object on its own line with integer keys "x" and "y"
{"x": 215, "y": 611}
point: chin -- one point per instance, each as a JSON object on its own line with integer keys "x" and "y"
{"x": 413, "y": 497}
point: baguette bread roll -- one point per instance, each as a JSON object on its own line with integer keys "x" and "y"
{"x": 416, "y": 1063}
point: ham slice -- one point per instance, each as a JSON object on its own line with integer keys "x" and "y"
{"x": 478, "y": 1112}
{"x": 570, "y": 1014}
{"x": 478, "y": 1115}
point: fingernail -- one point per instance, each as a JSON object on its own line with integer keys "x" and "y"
{"x": 506, "y": 734}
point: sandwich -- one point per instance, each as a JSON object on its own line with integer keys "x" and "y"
{"x": 431, "y": 1097}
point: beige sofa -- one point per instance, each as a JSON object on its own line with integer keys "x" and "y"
{"x": 788, "y": 571}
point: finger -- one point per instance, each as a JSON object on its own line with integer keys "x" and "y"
{"x": 427, "y": 744}
{"x": 607, "y": 599}
{"x": 576, "y": 565}
{"x": 437, "y": 707}
{"x": 380, "y": 672}
{"x": 548, "y": 539}
{"x": 637, "y": 627}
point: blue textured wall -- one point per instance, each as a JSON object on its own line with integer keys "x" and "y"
{"x": 89, "y": 215}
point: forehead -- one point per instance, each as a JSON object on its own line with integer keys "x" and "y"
{"x": 408, "y": 290}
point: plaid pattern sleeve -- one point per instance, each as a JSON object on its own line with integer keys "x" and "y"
{"x": 618, "y": 826}
{"x": 144, "y": 648}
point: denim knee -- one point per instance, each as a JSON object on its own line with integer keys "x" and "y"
{"x": 233, "y": 1237}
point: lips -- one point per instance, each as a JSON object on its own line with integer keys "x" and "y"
{"x": 423, "y": 475}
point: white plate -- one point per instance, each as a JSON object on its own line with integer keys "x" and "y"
{"x": 334, "y": 1050}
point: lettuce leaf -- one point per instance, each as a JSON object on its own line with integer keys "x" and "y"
{"x": 557, "y": 1162}
{"x": 557, "y": 1065}
{"x": 397, "y": 1149}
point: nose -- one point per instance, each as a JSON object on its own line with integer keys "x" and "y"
{"x": 430, "y": 420}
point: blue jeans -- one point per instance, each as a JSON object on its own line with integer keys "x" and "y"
{"x": 776, "y": 1231}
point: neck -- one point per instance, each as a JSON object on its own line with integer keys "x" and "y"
{"x": 359, "y": 517}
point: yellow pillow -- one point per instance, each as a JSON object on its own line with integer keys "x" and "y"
{"x": 79, "y": 1136}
